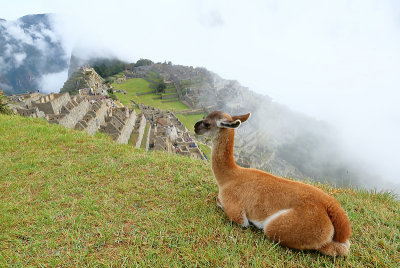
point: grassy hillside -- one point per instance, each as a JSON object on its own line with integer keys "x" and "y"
{"x": 70, "y": 199}
{"x": 139, "y": 85}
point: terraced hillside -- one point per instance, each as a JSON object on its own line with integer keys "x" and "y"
{"x": 70, "y": 199}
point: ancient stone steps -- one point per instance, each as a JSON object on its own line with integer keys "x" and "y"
{"x": 94, "y": 118}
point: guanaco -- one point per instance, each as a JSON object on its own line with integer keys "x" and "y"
{"x": 294, "y": 214}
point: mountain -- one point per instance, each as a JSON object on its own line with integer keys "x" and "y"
{"x": 29, "y": 49}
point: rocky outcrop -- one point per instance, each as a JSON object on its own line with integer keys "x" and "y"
{"x": 84, "y": 78}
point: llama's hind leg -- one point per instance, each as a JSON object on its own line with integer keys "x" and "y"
{"x": 301, "y": 228}
{"x": 335, "y": 248}
{"x": 236, "y": 214}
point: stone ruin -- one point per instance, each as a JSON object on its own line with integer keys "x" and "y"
{"x": 81, "y": 112}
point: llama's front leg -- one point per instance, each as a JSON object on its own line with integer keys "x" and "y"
{"x": 219, "y": 203}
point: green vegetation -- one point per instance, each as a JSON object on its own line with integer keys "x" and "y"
{"x": 69, "y": 199}
{"x": 160, "y": 87}
{"x": 189, "y": 120}
{"x": 142, "y": 62}
{"x": 205, "y": 149}
{"x": 133, "y": 138}
{"x": 139, "y": 85}
{"x": 144, "y": 140}
{"x": 111, "y": 94}
{"x": 4, "y": 109}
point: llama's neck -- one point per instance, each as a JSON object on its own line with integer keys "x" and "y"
{"x": 222, "y": 155}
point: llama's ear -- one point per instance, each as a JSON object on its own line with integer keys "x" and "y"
{"x": 242, "y": 118}
{"x": 228, "y": 124}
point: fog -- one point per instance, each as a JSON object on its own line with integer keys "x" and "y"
{"x": 337, "y": 61}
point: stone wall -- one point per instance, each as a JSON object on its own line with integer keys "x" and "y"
{"x": 127, "y": 129}
{"x": 33, "y": 112}
{"x": 75, "y": 114}
{"x": 169, "y": 96}
{"x": 52, "y": 103}
{"x": 95, "y": 117}
{"x": 46, "y": 107}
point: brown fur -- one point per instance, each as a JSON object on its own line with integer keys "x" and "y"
{"x": 314, "y": 220}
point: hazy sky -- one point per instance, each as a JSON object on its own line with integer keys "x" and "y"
{"x": 334, "y": 60}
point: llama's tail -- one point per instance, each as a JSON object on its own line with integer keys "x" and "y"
{"x": 340, "y": 244}
{"x": 340, "y": 222}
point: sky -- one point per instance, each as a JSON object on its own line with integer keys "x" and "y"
{"x": 337, "y": 61}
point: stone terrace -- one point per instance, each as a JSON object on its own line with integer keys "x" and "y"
{"x": 82, "y": 112}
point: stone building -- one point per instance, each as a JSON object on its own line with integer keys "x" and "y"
{"x": 119, "y": 124}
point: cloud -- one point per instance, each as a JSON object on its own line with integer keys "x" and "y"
{"x": 14, "y": 30}
{"x": 52, "y": 82}
{"x": 19, "y": 58}
{"x": 34, "y": 49}
{"x": 5, "y": 87}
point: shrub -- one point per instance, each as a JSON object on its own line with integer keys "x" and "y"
{"x": 4, "y": 109}
{"x": 160, "y": 87}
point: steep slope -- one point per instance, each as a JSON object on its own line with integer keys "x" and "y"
{"x": 29, "y": 49}
{"x": 70, "y": 199}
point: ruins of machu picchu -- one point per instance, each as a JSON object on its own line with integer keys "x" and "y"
{"x": 91, "y": 110}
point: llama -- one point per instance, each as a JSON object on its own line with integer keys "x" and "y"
{"x": 294, "y": 214}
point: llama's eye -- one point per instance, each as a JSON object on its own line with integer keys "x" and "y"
{"x": 207, "y": 125}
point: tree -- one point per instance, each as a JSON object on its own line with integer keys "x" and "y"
{"x": 108, "y": 81}
{"x": 143, "y": 62}
{"x": 161, "y": 86}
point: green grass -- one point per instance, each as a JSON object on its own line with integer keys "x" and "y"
{"x": 139, "y": 85}
{"x": 206, "y": 150}
{"x": 190, "y": 120}
{"x": 133, "y": 138}
{"x": 69, "y": 199}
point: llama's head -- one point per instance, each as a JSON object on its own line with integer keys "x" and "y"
{"x": 213, "y": 123}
